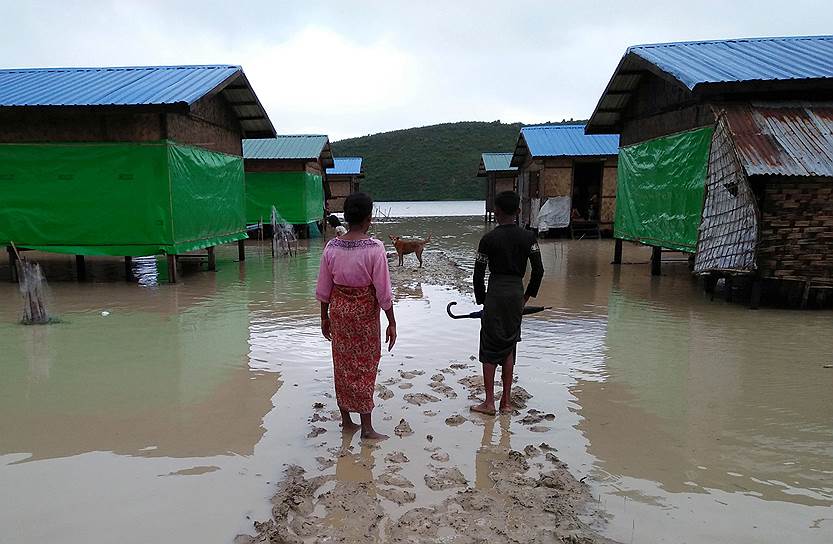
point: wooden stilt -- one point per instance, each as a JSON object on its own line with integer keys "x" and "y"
{"x": 81, "y": 267}
{"x": 171, "y": 268}
{"x": 656, "y": 261}
{"x": 805, "y": 296}
{"x": 128, "y": 268}
{"x": 212, "y": 259}
{"x": 12, "y": 264}
{"x": 709, "y": 283}
{"x": 755, "y": 295}
{"x": 241, "y": 250}
{"x": 617, "y": 251}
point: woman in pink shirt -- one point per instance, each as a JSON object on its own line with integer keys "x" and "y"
{"x": 353, "y": 283}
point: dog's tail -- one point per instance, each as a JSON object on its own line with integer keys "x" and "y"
{"x": 427, "y": 240}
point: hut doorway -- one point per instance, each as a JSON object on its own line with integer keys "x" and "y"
{"x": 587, "y": 186}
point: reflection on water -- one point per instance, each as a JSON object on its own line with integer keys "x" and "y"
{"x": 693, "y": 420}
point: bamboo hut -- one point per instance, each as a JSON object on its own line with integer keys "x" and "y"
{"x": 288, "y": 172}
{"x": 727, "y": 155}
{"x": 500, "y": 176}
{"x": 125, "y": 161}
{"x": 569, "y": 177}
{"x": 343, "y": 179}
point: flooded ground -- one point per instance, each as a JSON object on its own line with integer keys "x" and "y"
{"x": 159, "y": 413}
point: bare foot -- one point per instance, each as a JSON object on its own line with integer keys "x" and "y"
{"x": 483, "y": 408}
{"x": 506, "y": 409}
{"x": 350, "y": 427}
{"x": 373, "y": 435}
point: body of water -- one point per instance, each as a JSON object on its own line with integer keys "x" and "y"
{"x": 156, "y": 413}
{"x": 455, "y": 208}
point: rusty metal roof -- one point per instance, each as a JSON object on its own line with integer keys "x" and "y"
{"x": 783, "y": 139}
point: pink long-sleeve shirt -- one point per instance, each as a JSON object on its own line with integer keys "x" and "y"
{"x": 355, "y": 263}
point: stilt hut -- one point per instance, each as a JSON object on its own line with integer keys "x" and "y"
{"x": 727, "y": 155}
{"x": 343, "y": 179}
{"x": 288, "y": 172}
{"x": 125, "y": 161}
{"x": 568, "y": 178}
{"x": 500, "y": 176}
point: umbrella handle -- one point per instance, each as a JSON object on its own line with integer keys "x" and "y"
{"x": 448, "y": 311}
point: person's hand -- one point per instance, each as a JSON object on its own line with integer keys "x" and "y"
{"x": 325, "y": 328}
{"x": 390, "y": 335}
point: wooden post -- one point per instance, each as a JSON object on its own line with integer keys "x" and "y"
{"x": 212, "y": 259}
{"x": 128, "y": 268}
{"x": 728, "y": 286}
{"x": 81, "y": 267}
{"x": 656, "y": 261}
{"x": 617, "y": 251}
{"x": 709, "y": 283}
{"x": 755, "y": 295}
{"x": 805, "y": 296}
{"x": 171, "y": 268}
{"x": 241, "y": 250}
{"x": 12, "y": 264}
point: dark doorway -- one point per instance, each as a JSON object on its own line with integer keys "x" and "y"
{"x": 587, "y": 185}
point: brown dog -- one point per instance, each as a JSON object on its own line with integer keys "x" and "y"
{"x": 404, "y": 247}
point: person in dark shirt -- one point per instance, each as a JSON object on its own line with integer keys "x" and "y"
{"x": 505, "y": 251}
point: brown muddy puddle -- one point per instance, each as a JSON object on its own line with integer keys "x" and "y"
{"x": 173, "y": 415}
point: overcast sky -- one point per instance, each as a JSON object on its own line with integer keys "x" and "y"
{"x": 353, "y": 68}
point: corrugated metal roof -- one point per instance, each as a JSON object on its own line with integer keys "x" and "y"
{"x": 496, "y": 162}
{"x": 134, "y": 86}
{"x": 787, "y": 140}
{"x": 703, "y": 63}
{"x": 751, "y": 59}
{"x": 290, "y": 147}
{"x": 346, "y": 166}
{"x": 562, "y": 141}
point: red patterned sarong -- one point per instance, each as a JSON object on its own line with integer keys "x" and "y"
{"x": 357, "y": 346}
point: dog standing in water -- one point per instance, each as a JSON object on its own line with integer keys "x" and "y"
{"x": 406, "y": 247}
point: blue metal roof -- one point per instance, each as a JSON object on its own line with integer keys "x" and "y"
{"x": 751, "y": 59}
{"x": 700, "y": 64}
{"x": 495, "y": 162}
{"x": 290, "y": 147}
{"x": 346, "y": 166}
{"x": 134, "y": 86}
{"x": 562, "y": 141}
{"x": 147, "y": 85}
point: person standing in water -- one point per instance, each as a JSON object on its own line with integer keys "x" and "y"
{"x": 353, "y": 284}
{"x": 505, "y": 251}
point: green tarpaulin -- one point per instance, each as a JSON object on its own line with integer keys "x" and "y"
{"x": 298, "y": 196}
{"x": 659, "y": 198}
{"x": 120, "y": 199}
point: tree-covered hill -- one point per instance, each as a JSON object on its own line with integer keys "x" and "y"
{"x": 437, "y": 162}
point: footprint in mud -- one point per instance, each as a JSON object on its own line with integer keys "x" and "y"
{"x": 430, "y": 413}
{"x": 316, "y": 431}
{"x": 410, "y": 374}
{"x": 324, "y": 463}
{"x": 437, "y": 378}
{"x": 444, "y": 478}
{"x": 534, "y": 416}
{"x": 539, "y": 429}
{"x": 394, "y": 479}
{"x": 440, "y": 456}
{"x": 531, "y": 451}
{"x": 406, "y": 385}
{"x": 455, "y": 420}
{"x": 383, "y": 392}
{"x": 420, "y": 398}
{"x": 459, "y": 366}
{"x": 443, "y": 389}
{"x": 403, "y": 429}
{"x": 396, "y": 457}
{"x": 397, "y": 496}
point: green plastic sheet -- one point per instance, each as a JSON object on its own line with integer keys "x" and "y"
{"x": 661, "y": 183}
{"x": 120, "y": 199}
{"x": 297, "y": 196}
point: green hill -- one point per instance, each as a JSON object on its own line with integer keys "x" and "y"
{"x": 437, "y": 162}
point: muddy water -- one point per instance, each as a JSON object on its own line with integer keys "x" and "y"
{"x": 173, "y": 413}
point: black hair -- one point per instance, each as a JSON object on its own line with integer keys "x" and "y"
{"x": 509, "y": 202}
{"x": 333, "y": 221}
{"x": 357, "y": 208}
